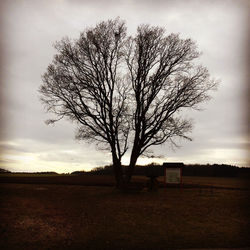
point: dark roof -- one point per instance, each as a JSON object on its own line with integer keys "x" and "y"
{"x": 173, "y": 164}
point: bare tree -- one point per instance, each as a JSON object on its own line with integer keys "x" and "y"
{"x": 165, "y": 80}
{"x": 84, "y": 84}
{"x": 125, "y": 92}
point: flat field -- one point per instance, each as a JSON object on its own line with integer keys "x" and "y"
{"x": 48, "y": 216}
{"x": 106, "y": 180}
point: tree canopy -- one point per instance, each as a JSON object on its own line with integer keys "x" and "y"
{"x": 126, "y": 92}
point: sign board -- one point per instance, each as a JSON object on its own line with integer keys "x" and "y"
{"x": 173, "y": 175}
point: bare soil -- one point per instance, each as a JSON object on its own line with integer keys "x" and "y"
{"x": 47, "y": 216}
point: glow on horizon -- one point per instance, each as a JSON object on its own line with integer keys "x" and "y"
{"x": 34, "y": 162}
{"x": 31, "y": 163}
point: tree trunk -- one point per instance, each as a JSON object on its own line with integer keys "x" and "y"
{"x": 118, "y": 173}
{"x": 131, "y": 167}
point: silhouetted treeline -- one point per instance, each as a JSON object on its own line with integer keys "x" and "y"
{"x": 42, "y": 173}
{"x": 215, "y": 170}
{"x": 106, "y": 170}
{"x": 4, "y": 171}
{"x": 79, "y": 172}
{"x": 49, "y": 172}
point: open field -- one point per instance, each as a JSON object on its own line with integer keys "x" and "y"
{"x": 46, "y": 216}
{"x": 106, "y": 180}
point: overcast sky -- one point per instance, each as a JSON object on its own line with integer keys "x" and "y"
{"x": 30, "y": 28}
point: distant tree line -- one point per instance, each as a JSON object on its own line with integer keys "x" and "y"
{"x": 4, "y": 171}
{"x": 45, "y": 173}
{"x": 215, "y": 170}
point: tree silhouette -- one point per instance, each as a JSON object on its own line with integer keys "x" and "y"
{"x": 125, "y": 92}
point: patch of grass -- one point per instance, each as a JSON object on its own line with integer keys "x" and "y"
{"x": 233, "y": 182}
{"x": 84, "y": 217}
{"x": 106, "y": 180}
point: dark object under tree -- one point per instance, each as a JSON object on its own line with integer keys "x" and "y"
{"x": 125, "y": 92}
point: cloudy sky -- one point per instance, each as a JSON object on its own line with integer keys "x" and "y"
{"x": 30, "y": 28}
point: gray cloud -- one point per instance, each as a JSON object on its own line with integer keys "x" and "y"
{"x": 30, "y": 28}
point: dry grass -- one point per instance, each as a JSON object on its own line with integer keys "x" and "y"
{"x": 86, "y": 217}
{"x": 218, "y": 181}
{"x": 98, "y": 180}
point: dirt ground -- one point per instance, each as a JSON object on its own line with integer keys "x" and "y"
{"x": 42, "y": 216}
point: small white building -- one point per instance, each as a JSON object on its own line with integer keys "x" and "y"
{"x": 173, "y": 172}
